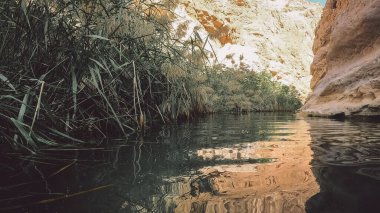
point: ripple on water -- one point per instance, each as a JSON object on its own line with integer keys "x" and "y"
{"x": 224, "y": 163}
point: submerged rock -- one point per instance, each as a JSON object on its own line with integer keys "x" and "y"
{"x": 346, "y": 66}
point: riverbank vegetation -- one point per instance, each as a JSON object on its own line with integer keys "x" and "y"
{"x": 73, "y": 69}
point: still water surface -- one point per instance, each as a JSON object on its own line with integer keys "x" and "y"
{"x": 223, "y": 163}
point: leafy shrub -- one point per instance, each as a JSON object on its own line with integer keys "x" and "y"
{"x": 249, "y": 91}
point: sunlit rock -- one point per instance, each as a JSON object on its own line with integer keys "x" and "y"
{"x": 274, "y": 36}
{"x": 346, "y": 66}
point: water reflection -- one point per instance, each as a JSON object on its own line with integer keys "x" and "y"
{"x": 280, "y": 186}
{"x": 248, "y": 163}
{"x": 346, "y": 164}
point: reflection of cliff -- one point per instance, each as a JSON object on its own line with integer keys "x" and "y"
{"x": 347, "y": 166}
{"x": 348, "y": 143}
{"x": 344, "y": 190}
{"x": 281, "y": 186}
{"x": 346, "y": 66}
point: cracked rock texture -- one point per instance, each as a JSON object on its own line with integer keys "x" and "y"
{"x": 346, "y": 65}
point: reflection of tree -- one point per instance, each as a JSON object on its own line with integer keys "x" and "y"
{"x": 346, "y": 165}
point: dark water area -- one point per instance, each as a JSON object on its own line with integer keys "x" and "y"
{"x": 223, "y": 163}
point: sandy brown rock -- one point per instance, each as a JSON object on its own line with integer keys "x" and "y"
{"x": 346, "y": 66}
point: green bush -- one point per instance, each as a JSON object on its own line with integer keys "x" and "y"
{"x": 239, "y": 91}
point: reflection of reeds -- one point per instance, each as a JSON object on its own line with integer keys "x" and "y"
{"x": 57, "y": 198}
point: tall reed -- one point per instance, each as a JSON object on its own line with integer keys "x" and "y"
{"x": 74, "y": 69}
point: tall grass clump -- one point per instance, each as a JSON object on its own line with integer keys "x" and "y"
{"x": 73, "y": 69}
{"x": 76, "y": 68}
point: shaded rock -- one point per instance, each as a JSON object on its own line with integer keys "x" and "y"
{"x": 346, "y": 66}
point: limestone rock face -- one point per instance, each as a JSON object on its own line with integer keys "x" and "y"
{"x": 346, "y": 66}
{"x": 275, "y": 36}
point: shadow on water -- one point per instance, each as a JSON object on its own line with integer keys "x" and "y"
{"x": 223, "y": 163}
{"x": 346, "y": 164}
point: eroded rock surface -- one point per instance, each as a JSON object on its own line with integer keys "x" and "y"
{"x": 346, "y": 66}
{"x": 275, "y": 36}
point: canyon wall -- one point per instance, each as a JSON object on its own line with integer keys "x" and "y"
{"x": 274, "y": 36}
{"x": 346, "y": 65}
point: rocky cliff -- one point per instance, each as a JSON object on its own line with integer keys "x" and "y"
{"x": 260, "y": 35}
{"x": 346, "y": 66}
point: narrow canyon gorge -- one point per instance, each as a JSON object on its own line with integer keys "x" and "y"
{"x": 190, "y": 106}
{"x": 283, "y": 36}
{"x": 262, "y": 36}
